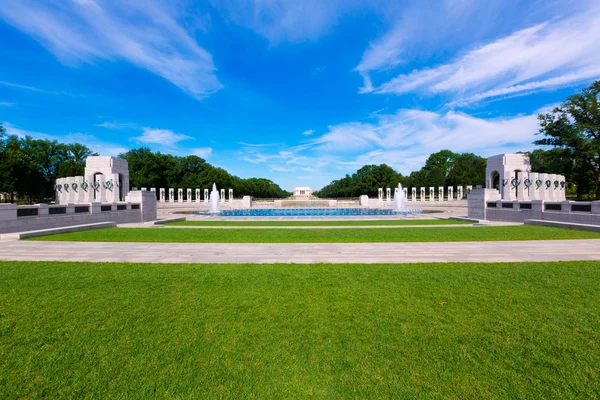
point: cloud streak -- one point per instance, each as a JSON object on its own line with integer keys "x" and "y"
{"x": 549, "y": 55}
{"x": 163, "y": 137}
{"x": 144, "y": 33}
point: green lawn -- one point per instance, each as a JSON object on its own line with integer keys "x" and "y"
{"x": 508, "y": 331}
{"x": 382, "y": 222}
{"x": 443, "y": 234}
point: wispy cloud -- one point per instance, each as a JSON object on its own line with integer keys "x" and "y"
{"x": 6, "y": 104}
{"x": 403, "y": 140}
{"x": 163, "y": 137}
{"x": 118, "y": 125}
{"x": 18, "y": 86}
{"x": 92, "y": 142}
{"x": 286, "y": 20}
{"x": 553, "y": 54}
{"x": 308, "y": 132}
{"x": 145, "y": 33}
{"x": 203, "y": 152}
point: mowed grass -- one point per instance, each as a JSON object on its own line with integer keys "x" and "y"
{"x": 506, "y": 331}
{"x": 333, "y": 235}
{"x": 379, "y": 222}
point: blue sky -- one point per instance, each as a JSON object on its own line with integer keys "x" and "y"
{"x": 301, "y": 92}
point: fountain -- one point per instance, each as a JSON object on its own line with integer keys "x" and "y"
{"x": 214, "y": 200}
{"x": 399, "y": 199}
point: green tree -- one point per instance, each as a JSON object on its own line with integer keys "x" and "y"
{"x": 575, "y": 126}
{"x": 438, "y": 167}
{"x": 467, "y": 168}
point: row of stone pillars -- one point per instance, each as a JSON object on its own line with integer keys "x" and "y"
{"x": 441, "y": 196}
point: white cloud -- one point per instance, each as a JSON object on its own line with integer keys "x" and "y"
{"x": 308, "y": 132}
{"x": 100, "y": 146}
{"x": 144, "y": 33}
{"x": 16, "y": 85}
{"x": 6, "y": 104}
{"x": 118, "y": 125}
{"x": 545, "y": 56}
{"x": 203, "y": 152}
{"x": 286, "y": 20}
{"x": 402, "y": 140}
{"x": 164, "y": 137}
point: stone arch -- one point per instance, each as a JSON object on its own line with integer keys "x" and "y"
{"x": 494, "y": 180}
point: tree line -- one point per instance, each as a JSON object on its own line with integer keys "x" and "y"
{"x": 157, "y": 170}
{"x": 444, "y": 168}
{"x": 29, "y": 168}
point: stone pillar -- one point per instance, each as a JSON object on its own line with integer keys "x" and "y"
{"x": 405, "y": 190}
{"x": 596, "y": 207}
{"x": 562, "y": 188}
{"x": 380, "y": 194}
{"x": 113, "y": 189}
{"x": 459, "y": 193}
{"x": 222, "y": 199}
{"x": 431, "y": 193}
{"x": 388, "y": 194}
{"x": 556, "y": 187}
{"x": 469, "y": 189}
{"x": 143, "y": 189}
{"x": 43, "y": 209}
{"x": 162, "y": 195}
{"x": 545, "y": 193}
{"x": 522, "y": 192}
{"x": 247, "y": 202}
{"x": 364, "y": 200}
{"x": 537, "y": 209}
{"x": 206, "y": 195}
{"x": 230, "y": 195}
{"x": 413, "y": 195}
{"x": 422, "y": 198}
{"x": 180, "y": 195}
{"x": 8, "y": 212}
{"x": 95, "y": 207}
{"x": 69, "y": 189}
{"x": 450, "y": 193}
{"x": 102, "y": 190}
{"x": 395, "y": 193}
{"x": 171, "y": 195}
{"x": 478, "y": 200}
{"x": 534, "y": 190}
{"x": 189, "y": 196}
{"x": 198, "y": 199}
{"x": 441, "y": 193}
{"x": 147, "y": 202}
{"x": 565, "y": 206}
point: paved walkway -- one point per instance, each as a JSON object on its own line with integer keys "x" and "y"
{"x": 548, "y": 250}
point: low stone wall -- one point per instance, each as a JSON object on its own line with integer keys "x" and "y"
{"x": 484, "y": 204}
{"x": 140, "y": 207}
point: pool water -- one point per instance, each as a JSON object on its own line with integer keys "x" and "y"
{"x": 310, "y": 212}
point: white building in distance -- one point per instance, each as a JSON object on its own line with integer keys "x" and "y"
{"x": 303, "y": 192}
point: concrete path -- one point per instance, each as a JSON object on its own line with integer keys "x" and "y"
{"x": 548, "y": 250}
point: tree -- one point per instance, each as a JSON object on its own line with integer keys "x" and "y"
{"x": 438, "y": 167}
{"x": 467, "y": 168}
{"x": 575, "y": 126}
